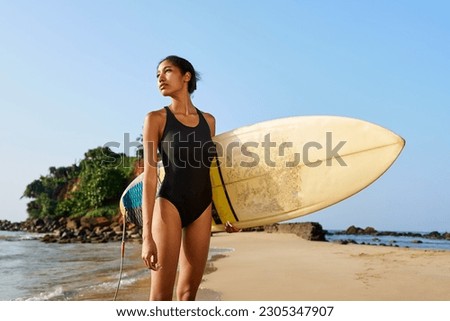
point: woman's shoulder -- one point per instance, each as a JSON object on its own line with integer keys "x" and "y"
{"x": 156, "y": 115}
{"x": 155, "y": 119}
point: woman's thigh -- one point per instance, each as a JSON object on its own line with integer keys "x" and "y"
{"x": 166, "y": 232}
{"x": 193, "y": 256}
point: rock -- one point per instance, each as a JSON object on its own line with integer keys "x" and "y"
{"x": 308, "y": 231}
{"x": 353, "y": 230}
{"x": 434, "y": 235}
{"x": 345, "y": 242}
{"x": 342, "y": 242}
{"x": 74, "y": 230}
{"x": 369, "y": 230}
{"x": 49, "y": 238}
{"x": 90, "y": 222}
{"x": 72, "y": 224}
{"x": 38, "y": 222}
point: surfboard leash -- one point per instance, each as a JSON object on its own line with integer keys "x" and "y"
{"x": 122, "y": 257}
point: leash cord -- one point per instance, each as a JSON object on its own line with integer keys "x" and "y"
{"x": 122, "y": 255}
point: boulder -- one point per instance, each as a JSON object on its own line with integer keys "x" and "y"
{"x": 353, "y": 230}
{"x": 90, "y": 222}
{"x": 369, "y": 230}
{"x": 72, "y": 224}
{"x": 309, "y": 231}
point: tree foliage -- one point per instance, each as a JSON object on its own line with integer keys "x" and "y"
{"x": 92, "y": 188}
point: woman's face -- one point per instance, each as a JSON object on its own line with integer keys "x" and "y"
{"x": 170, "y": 80}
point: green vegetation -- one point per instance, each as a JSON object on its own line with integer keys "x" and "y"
{"x": 92, "y": 188}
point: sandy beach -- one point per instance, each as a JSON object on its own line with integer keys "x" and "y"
{"x": 266, "y": 266}
{"x": 284, "y": 267}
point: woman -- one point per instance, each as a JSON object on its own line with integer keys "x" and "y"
{"x": 177, "y": 221}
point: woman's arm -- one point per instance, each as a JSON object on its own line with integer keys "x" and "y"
{"x": 150, "y": 140}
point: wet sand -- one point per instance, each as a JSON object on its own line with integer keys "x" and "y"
{"x": 139, "y": 290}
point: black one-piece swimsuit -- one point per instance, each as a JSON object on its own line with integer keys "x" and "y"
{"x": 186, "y": 155}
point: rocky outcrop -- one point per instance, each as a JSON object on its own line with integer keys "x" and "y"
{"x": 309, "y": 231}
{"x": 76, "y": 230}
{"x": 357, "y": 230}
{"x": 353, "y": 230}
{"x": 102, "y": 229}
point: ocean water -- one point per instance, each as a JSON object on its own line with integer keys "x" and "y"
{"x": 397, "y": 241}
{"x": 33, "y": 270}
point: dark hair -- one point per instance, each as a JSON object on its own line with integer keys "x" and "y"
{"x": 185, "y": 66}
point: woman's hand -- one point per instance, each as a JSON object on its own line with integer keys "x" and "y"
{"x": 150, "y": 254}
{"x": 230, "y": 228}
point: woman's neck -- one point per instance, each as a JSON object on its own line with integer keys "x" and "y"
{"x": 183, "y": 105}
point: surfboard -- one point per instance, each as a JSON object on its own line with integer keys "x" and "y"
{"x": 282, "y": 169}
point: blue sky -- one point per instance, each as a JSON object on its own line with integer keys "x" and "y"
{"x": 75, "y": 75}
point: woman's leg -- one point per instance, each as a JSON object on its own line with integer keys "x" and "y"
{"x": 193, "y": 256}
{"x": 166, "y": 231}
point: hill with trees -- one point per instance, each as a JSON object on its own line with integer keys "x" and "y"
{"x": 91, "y": 188}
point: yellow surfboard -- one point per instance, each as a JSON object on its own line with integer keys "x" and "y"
{"x": 285, "y": 168}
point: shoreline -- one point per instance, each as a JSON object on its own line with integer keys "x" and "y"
{"x": 138, "y": 289}
{"x": 102, "y": 230}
